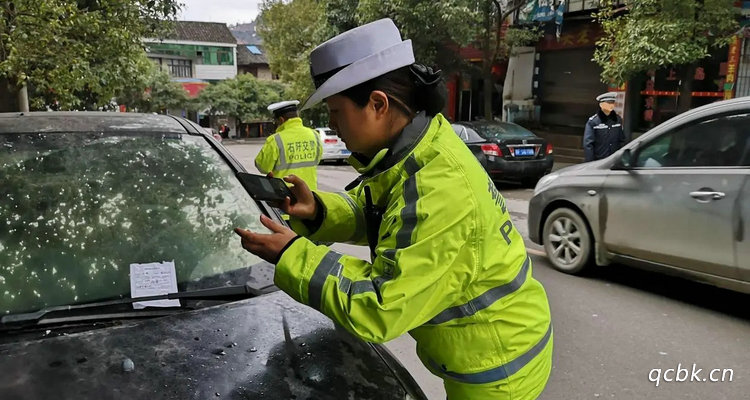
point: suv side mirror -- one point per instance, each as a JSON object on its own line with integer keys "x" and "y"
{"x": 625, "y": 162}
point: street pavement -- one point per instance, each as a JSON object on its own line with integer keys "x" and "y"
{"x": 617, "y": 329}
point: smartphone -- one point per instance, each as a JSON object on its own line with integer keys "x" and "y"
{"x": 264, "y": 188}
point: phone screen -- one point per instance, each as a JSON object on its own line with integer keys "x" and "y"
{"x": 265, "y": 188}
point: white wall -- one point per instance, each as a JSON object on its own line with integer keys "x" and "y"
{"x": 519, "y": 79}
{"x": 520, "y": 74}
{"x": 215, "y": 71}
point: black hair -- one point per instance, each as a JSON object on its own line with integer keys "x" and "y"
{"x": 287, "y": 115}
{"x": 411, "y": 89}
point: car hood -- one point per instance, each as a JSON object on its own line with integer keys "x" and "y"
{"x": 588, "y": 166}
{"x": 265, "y": 347}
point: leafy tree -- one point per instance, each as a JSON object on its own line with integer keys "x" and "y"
{"x": 75, "y": 54}
{"x": 154, "y": 91}
{"x": 243, "y": 97}
{"x": 435, "y": 28}
{"x": 290, "y": 31}
{"x": 438, "y": 28}
{"x": 341, "y": 15}
{"x": 659, "y": 33}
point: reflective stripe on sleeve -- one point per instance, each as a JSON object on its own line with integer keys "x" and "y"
{"x": 359, "y": 217}
{"x": 329, "y": 265}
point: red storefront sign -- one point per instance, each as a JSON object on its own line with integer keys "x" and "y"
{"x": 194, "y": 88}
{"x": 732, "y": 64}
{"x": 577, "y": 37}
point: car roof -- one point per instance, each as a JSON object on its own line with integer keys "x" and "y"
{"x": 88, "y": 121}
{"x": 474, "y": 124}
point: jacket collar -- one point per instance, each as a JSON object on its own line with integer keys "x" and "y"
{"x": 290, "y": 123}
{"x": 386, "y": 158}
{"x": 604, "y": 117}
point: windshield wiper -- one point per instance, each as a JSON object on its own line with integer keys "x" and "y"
{"x": 237, "y": 291}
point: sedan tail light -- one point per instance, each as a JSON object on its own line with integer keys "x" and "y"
{"x": 492, "y": 150}
{"x": 549, "y": 149}
{"x": 331, "y": 141}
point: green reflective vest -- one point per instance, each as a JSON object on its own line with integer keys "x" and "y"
{"x": 449, "y": 268}
{"x": 293, "y": 149}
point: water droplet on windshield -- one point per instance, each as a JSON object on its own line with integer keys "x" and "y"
{"x": 128, "y": 365}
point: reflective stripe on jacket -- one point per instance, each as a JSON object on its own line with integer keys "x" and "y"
{"x": 450, "y": 267}
{"x": 293, "y": 149}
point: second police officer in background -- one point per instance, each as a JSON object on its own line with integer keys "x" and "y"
{"x": 293, "y": 149}
{"x": 604, "y": 134}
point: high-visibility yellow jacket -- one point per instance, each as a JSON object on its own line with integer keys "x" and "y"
{"x": 449, "y": 268}
{"x": 293, "y": 149}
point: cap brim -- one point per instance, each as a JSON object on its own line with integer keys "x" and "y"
{"x": 362, "y": 71}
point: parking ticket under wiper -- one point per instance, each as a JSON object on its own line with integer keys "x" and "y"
{"x": 203, "y": 294}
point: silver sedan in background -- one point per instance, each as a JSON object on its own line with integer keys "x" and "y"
{"x": 674, "y": 200}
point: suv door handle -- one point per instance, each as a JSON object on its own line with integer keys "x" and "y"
{"x": 706, "y": 195}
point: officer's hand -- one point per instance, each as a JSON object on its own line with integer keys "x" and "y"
{"x": 266, "y": 246}
{"x": 304, "y": 207}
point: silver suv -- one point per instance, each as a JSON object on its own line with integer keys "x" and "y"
{"x": 674, "y": 200}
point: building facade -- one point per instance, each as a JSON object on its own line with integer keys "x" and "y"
{"x": 196, "y": 55}
{"x": 552, "y": 86}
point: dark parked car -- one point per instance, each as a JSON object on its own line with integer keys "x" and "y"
{"x": 506, "y": 150}
{"x": 96, "y": 206}
{"x": 674, "y": 200}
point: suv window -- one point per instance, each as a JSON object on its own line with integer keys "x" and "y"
{"x": 718, "y": 142}
{"x": 79, "y": 208}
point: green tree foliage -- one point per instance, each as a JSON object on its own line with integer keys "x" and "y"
{"x": 243, "y": 97}
{"x": 290, "y": 30}
{"x": 76, "y": 54}
{"x": 437, "y": 29}
{"x": 154, "y": 91}
{"x": 341, "y": 15}
{"x": 658, "y": 33}
{"x": 433, "y": 26}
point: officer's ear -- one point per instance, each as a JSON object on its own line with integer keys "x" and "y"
{"x": 379, "y": 102}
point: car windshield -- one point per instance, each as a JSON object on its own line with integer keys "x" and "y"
{"x": 501, "y": 131}
{"x": 79, "y": 208}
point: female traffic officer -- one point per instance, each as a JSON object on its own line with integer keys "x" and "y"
{"x": 447, "y": 264}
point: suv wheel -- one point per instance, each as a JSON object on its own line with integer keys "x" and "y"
{"x": 567, "y": 240}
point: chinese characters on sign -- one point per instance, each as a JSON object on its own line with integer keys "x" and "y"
{"x": 732, "y": 63}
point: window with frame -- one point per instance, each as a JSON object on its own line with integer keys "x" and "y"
{"x": 180, "y": 68}
{"x": 716, "y": 142}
